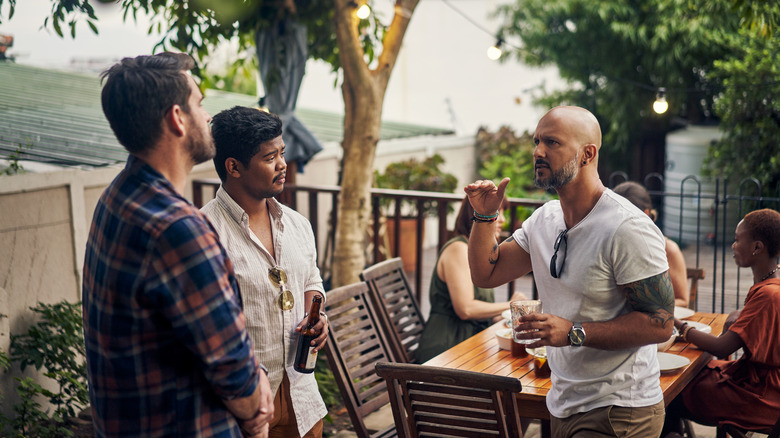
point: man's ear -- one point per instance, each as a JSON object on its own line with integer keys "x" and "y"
{"x": 233, "y": 167}
{"x": 757, "y": 246}
{"x": 175, "y": 120}
{"x": 590, "y": 151}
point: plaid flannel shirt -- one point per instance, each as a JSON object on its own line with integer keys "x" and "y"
{"x": 164, "y": 331}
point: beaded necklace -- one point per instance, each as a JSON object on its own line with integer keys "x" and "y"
{"x": 769, "y": 274}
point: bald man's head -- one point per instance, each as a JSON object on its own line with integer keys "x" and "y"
{"x": 579, "y": 122}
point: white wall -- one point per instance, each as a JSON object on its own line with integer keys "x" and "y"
{"x": 443, "y": 58}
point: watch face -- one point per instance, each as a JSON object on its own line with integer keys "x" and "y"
{"x": 576, "y": 336}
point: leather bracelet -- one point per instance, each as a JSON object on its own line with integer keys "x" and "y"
{"x": 484, "y": 221}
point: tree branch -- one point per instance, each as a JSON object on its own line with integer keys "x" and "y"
{"x": 391, "y": 43}
{"x": 356, "y": 71}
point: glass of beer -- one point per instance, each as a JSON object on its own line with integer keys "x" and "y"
{"x": 541, "y": 367}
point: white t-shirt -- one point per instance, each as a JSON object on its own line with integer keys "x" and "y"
{"x": 613, "y": 245}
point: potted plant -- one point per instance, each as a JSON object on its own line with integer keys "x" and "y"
{"x": 419, "y": 175}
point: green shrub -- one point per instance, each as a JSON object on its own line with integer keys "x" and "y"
{"x": 55, "y": 347}
{"x": 412, "y": 174}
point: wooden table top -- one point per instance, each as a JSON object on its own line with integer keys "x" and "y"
{"x": 480, "y": 353}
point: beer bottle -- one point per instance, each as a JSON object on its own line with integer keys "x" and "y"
{"x": 305, "y": 359}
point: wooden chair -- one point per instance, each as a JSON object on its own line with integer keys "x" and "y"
{"x": 433, "y": 401}
{"x": 355, "y": 343}
{"x": 728, "y": 430}
{"x": 694, "y": 274}
{"x": 399, "y": 312}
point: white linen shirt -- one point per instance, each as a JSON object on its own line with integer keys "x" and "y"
{"x": 615, "y": 244}
{"x": 272, "y": 329}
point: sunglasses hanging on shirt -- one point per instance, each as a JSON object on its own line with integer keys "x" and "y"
{"x": 279, "y": 279}
{"x": 561, "y": 241}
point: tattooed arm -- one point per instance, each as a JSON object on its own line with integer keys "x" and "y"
{"x": 650, "y": 322}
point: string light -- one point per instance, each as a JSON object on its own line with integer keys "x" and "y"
{"x": 660, "y": 105}
{"x": 494, "y": 52}
{"x": 363, "y": 12}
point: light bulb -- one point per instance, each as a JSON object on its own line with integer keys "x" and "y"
{"x": 660, "y": 105}
{"x": 494, "y": 52}
{"x": 363, "y": 12}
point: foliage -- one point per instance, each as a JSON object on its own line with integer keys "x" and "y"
{"x": 503, "y": 154}
{"x": 5, "y": 365}
{"x": 54, "y": 344}
{"x": 326, "y": 383}
{"x": 750, "y": 112}
{"x": 616, "y": 54}
{"x": 425, "y": 175}
{"x": 14, "y": 167}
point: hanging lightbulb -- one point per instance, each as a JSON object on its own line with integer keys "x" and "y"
{"x": 363, "y": 12}
{"x": 660, "y": 105}
{"x": 494, "y": 52}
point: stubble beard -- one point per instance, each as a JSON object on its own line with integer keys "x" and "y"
{"x": 200, "y": 145}
{"x": 560, "y": 177}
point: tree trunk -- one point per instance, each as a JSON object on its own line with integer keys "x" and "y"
{"x": 363, "y": 90}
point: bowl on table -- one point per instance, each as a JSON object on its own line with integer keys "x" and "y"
{"x": 504, "y": 338}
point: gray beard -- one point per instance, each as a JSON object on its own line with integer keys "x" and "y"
{"x": 560, "y": 177}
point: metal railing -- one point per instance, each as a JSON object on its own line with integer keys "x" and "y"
{"x": 204, "y": 189}
{"x": 711, "y": 205}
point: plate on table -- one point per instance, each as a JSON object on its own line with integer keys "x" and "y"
{"x": 700, "y": 326}
{"x": 671, "y": 362}
{"x": 683, "y": 312}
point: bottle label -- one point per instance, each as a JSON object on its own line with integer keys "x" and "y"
{"x": 311, "y": 358}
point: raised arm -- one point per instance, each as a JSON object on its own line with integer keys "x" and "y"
{"x": 492, "y": 264}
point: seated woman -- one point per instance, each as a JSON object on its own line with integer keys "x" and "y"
{"x": 744, "y": 392}
{"x": 677, "y": 271}
{"x": 458, "y": 308}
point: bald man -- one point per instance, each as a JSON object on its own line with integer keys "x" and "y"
{"x": 600, "y": 268}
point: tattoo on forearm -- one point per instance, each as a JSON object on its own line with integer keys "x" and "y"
{"x": 493, "y": 257}
{"x": 653, "y": 296}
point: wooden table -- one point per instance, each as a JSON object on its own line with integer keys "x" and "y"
{"x": 481, "y": 353}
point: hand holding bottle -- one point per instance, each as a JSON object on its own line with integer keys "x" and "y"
{"x": 313, "y": 336}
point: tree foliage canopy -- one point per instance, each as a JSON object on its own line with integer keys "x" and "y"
{"x": 617, "y": 54}
{"x": 749, "y": 112}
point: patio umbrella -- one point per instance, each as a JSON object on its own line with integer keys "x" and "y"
{"x": 281, "y": 56}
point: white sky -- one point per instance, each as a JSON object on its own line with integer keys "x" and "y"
{"x": 443, "y": 77}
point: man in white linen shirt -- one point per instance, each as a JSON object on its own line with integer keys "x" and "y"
{"x": 600, "y": 268}
{"x": 262, "y": 238}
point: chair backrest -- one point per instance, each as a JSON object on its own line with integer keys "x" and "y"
{"x": 399, "y": 312}
{"x": 430, "y": 401}
{"x": 694, "y": 275}
{"x": 355, "y": 344}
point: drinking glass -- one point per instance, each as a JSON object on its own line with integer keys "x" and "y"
{"x": 522, "y": 308}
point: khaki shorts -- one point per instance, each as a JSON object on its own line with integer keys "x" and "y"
{"x": 611, "y": 421}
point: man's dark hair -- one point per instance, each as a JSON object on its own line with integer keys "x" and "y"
{"x": 139, "y": 91}
{"x": 239, "y": 132}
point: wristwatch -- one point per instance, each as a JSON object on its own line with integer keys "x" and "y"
{"x": 576, "y": 335}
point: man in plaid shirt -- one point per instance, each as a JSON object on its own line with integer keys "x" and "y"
{"x": 168, "y": 353}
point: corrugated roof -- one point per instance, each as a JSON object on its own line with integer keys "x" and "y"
{"x": 56, "y": 118}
